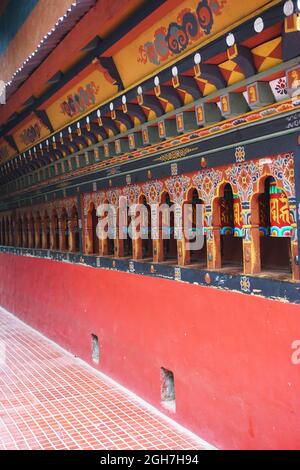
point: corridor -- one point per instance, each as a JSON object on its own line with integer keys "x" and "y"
{"x": 51, "y": 400}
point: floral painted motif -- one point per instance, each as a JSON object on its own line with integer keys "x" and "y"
{"x": 283, "y": 170}
{"x": 177, "y": 274}
{"x": 191, "y": 25}
{"x": 174, "y": 169}
{"x": 244, "y": 176}
{"x": 152, "y": 191}
{"x": 245, "y": 284}
{"x": 240, "y": 154}
{"x": 206, "y": 182}
{"x": 113, "y": 196}
{"x": 132, "y": 193}
{"x": 100, "y": 198}
{"x": 131, "y": 267}
{"x": 88, "y": 199}
{"x": 31, "y": 134}
{"x": 281, "y": 87}
{"x": 177, "y": 187}
{"x": 77, "y": 103}
{"x": 59, "y": 205}
{"x": 68, "y": 204}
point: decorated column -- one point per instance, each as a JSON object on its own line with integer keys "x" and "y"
{"x": 177, "y": 187}
{"x": 152, "y": 191}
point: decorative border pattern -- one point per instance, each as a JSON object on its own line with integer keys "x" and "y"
{"x": 271, "y": 289}
{"x": 202, "y": 133}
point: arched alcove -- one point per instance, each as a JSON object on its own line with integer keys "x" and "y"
{"x": 231, "y": 245}
{"x": 271, "y": 209}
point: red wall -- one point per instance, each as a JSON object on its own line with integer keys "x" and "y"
{"x": 230, "y": 353}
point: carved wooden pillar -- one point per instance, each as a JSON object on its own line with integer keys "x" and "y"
{"x": 157, "y": 234}
{"x": 71, "y": 235}
{"x": 96, "y": 239}
{"x": 251, "y": 250}
{"x": 37, "y": 231}
{"x": 27, "y": 231}
{"x": 61, "y": 231}
{"x": 111, "y": 217}
{"x": 52, "y": 228}
{"x": 24, "y": 232}
{"x": 158, "y": 249}
{"x": 89, "y": 228}
{"x": 137, "y": 249}
{"x": 44, "y": 234}
{"x": 119, "y": 247}
{"x": 103, "y": 246}
{"x": 30, "y": 240}
{"x": 137, "y": 246}
{"x": 213, "y": 239}
{"x": 18, "y": 232}
{"x": 9, "y": 238}
{"x": 9, "y": 232}
{"x": 294, "y": 241}
{"x": 103, "y": 239}
{"x": 251, "y": 240}
{"x": 5, "y": 231}
{"x": 74, "y": 233}
{"x": 184, "y": 256}
{"x": 118, "y": 242}
{"x": 294, "y": 256}
{"x": 121, "y": 229}
{"x": 213, "y": 248}
{"x": 62, "y": 224}
{"x": 85, "y": 235}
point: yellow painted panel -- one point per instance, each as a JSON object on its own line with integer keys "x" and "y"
{"x": 79, "y": 99}
{"x": 268, "y": 55}
{"x": 30, "y": 133}
{"x": 6, "y": 151}
{"x": 184, "y": 28}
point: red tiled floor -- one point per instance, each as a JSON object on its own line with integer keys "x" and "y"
{"x": 51, "y": 400}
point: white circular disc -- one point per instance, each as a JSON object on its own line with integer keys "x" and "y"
{"x": 288, "y": 8}
{"x": 197, "y": 58}
{"x": 259, "y": 25}
{"x": 230, "y": 40}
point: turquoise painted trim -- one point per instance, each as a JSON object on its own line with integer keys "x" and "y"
{"x": 13, "y": 18}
